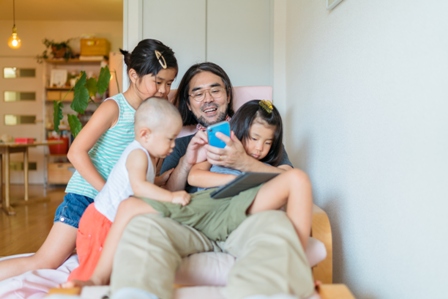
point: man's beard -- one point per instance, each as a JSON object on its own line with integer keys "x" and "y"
{"x": 202, "y": 121}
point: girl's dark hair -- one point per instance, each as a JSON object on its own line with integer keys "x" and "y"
{"x": 143, "y": 58}
{"x": 181, "y": 99}
{"x": 244, "y": 118}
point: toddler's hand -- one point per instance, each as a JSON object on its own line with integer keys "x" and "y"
{"x": 181, "y": 197}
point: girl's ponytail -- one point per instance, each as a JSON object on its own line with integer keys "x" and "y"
{"x": 127, "y": 57}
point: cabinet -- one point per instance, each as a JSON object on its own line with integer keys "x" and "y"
{"x": 57, "y": 75}
{"x": 59, "y": 170}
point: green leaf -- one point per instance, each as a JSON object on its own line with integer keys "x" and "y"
{"x": 75, "y": 124}
{"x": 91, "y": 87}
{"x": 81, "y": 95}
{"x": 103, "y": 80}
{"x": 84, "y": 90}
{"x": 57, "y": 115}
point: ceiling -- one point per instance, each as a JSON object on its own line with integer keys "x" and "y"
{"x": 62, "y": 10}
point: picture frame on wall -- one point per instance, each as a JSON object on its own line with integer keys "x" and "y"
{"x": 58, "y": 78}
{"x": 332, "y": 4}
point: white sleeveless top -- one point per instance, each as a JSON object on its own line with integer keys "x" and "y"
{"x": 118, "y": 187}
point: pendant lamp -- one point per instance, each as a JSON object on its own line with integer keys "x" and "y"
{"x": 14, "y": 41}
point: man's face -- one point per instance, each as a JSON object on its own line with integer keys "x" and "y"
{"x": 213, "y": 107}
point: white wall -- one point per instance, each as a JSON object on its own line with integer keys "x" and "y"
{"x": 367, "y": 94}
{"x": 234, "y": 34}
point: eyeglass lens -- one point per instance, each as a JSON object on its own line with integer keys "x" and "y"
{"x": 214, "y": 92}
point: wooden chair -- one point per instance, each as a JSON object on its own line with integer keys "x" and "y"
{"x": 321, "y": 228}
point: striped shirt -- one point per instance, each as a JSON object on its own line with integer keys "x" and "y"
{"x": 108, "y": 149}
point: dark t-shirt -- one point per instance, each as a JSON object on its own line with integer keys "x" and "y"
{"x": 181, "y": 148}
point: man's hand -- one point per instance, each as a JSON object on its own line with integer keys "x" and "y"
{"x": 195, "y": 151}
{"x": 233, "y": 155}
{"x": 181, "y": 197}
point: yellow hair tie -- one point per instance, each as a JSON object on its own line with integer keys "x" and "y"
{"x": 161, "y": 59}
{"x": 266, "y": 105}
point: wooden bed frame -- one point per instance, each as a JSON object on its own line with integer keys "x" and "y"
{"x": 321, "y": 230}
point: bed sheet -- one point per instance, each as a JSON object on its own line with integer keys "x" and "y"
{"x": 36, "y": 284}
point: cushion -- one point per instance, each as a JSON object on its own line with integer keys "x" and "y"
{"x": 212, "y": 268}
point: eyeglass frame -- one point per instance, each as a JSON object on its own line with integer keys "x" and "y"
{"x": 207, "y": 90}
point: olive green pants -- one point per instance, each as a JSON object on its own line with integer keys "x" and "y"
{"x": 270, "y": 258}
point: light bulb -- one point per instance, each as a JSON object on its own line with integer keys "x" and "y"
{"x": 14, "y": 41}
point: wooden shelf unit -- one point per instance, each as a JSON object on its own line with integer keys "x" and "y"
{"x": 58, "y": 167}
{"x": 74, "y": 61}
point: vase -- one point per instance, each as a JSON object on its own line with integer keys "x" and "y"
{"x": 58, "y": 149}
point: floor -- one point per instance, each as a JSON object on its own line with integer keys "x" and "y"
{"x": 27, "y": 230}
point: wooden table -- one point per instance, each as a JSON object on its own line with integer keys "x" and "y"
{"x": 11, "y": 148}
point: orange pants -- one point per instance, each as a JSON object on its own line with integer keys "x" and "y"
{"x": 92, "y": 232}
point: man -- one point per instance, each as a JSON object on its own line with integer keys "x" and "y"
{"x": 270, "y": 260}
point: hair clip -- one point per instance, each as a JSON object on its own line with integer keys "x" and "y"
{"x": 161, "y": 59}
{"x": 266, "y": 105}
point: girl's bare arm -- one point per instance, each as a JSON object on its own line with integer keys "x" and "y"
{"x": 102, "y": 119}
{"x": 201, "y": 176}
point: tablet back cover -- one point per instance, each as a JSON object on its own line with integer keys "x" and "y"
{"x": 244, "y": 181}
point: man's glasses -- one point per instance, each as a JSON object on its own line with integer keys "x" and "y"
{"x": 215, "y": 92}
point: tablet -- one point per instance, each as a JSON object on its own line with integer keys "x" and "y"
{"x": 244, "y": 181}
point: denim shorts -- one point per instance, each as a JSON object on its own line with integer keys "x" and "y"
{"x": 72, "y": 208}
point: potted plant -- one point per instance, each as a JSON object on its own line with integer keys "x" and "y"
{"x": 55, "y": 50}
{"x": 85, "y": 91}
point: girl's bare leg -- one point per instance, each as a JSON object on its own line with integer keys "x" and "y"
{"x": 127, "y": 209}
{"x": 57, "y": 247}
{"x": 292, "y": 188}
